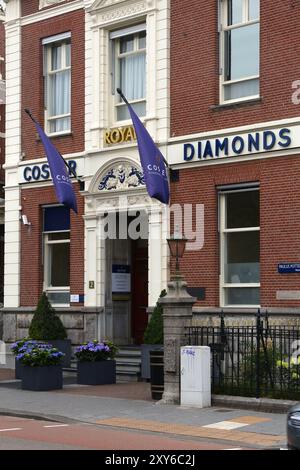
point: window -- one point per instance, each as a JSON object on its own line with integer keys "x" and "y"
{"x": 240, "y": 247}
{"x": 129, "y": 69}
{"x": 57, "y": 254}
{"x": 239, "y": 49}
{"x": 57, "y": 75}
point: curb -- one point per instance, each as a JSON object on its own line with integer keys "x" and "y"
{"x": 267, "y": 405}
{"x": 38, "y": 416}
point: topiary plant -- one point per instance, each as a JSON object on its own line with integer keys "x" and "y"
{"x": 45, "y": 324}
{"x": 154, "y": 333}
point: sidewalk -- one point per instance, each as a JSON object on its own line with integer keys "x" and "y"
{"x": 129, "y": 406}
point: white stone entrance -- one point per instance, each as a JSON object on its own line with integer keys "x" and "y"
{"x": 118, "y": 189}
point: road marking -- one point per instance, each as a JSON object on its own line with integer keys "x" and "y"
{"x": 234, "y": 448}
{"x": 228, "y": 425}
{"x": 250, "y": 419}
{"x": 11, "y": 429}
{"x": 56, "y": 426}
{"x": 196, "y": 431}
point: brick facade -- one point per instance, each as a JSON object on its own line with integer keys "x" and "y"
{"x": 31, "y": 245}
{"x": 33, "y": 199}
{"x": 194, "y": 109}
{"x": 32, "y": 73}
{"x": 30, "y": 7}
{"x": 279, "y": 213}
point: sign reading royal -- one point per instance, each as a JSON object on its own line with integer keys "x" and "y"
{"x": 244, "y": 144}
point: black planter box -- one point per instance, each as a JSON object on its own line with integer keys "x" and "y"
{"x": 42, "y": 378}
{"x": 96, "y": 373}
{"x": 64, "y": 346}
{"x": 18, "y": 369}
{"x": 157, "y": 373}
{"x": 145, "y": 366}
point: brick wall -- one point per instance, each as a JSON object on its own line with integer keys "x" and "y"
{"x": 280, "y": 219}
{"x": 194, "y": 60}
{"x": 31, "y": 244}
{"x": 32, "y": 82}
{"x": 32, "y": 6}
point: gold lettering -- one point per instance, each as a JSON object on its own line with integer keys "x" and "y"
{"x": 115, "y": 136}
{"x": 120, "y": 135}
{"x": 107, "y": 137}
{"x": 129, "y": 134}
{"x": 122, "y": 130}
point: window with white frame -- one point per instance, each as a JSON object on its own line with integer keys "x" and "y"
{"x": 57, "y": 76}
{"x": 128, "y": 48}
{"x": 239, "y": 49}
{"x": 240, "y": 247}
{"x": 56, "y": 234}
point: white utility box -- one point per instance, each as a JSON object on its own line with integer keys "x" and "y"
{"x": 195, "y": 376}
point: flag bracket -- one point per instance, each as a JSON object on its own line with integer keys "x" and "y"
{"x": 72, "y": 172}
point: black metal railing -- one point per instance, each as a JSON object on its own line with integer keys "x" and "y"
{"x": 257, "y": 361}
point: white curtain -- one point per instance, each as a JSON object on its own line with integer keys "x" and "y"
{"x": 133, "y": 76}
{"x": 59, "y": 92}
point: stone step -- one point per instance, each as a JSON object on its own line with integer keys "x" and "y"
{"x": 129, "y": 352}
{"x": 131, "y": 368}
{"x": 129, "y": 360}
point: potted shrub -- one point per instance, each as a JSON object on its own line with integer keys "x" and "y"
{"x": 17, "y": 348}
{"x": 47, "y": 327}
{"x": 41, "y": 366}
{"x": 153, "y": 337}
{"x": 96, "y": 364}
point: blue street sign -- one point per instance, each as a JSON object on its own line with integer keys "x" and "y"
{"x": 289, "y": 268}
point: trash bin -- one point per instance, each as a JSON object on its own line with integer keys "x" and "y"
{"x": 157, "y": 373}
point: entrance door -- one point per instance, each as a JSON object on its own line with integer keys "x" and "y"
{"x": 139, "y": 289}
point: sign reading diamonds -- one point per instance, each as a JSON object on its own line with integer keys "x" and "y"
{"x": 232, "y": 145}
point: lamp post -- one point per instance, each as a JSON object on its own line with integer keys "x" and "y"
{"x": 177, "y": 244}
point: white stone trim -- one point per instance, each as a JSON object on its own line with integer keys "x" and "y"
{"x": 43, "y": 15}
{"x": 264, "y": 125}
{"x": 47, "y": 3}
{"x": 12, "y": 155}
{"x": 100, "y": 19}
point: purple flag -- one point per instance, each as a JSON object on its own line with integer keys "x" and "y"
{"x": 61, "y": 180}
{"x": 152, "y": 160}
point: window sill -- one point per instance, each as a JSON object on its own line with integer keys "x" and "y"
{"x": 220, "y": 107}
{"x": 55, "y": 136}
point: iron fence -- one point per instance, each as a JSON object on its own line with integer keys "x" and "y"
{"x": 256, "y": 361}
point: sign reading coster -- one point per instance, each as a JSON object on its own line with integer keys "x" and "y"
{"x": 33, "y": 173}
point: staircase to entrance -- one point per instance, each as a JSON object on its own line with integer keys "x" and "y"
{"x": 128, "y": 364}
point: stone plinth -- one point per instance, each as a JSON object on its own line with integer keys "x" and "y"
{"x": 177, "y": 314}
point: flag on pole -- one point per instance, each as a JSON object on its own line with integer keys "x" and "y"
{"x": 61, "y": 180}
{"x": 153, "y": 163}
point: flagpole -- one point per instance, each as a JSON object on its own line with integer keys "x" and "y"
{"x": 126, "y": 101}
{"x": 81, "y": 183}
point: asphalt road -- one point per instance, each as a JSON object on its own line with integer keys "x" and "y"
{"x": 29, "y": 434}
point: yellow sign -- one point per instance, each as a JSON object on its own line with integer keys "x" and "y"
{"x": 119, "y": 135}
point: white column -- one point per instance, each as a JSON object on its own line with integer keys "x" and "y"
{"x": 155, "y": 258}
{"x": 162, "y": 79}
{"x": 90, "y": 262}
{"x": 12, "y": 152}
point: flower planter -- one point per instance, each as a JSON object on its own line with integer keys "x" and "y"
{"x": 96, "y": 372}
{"x": 157, "y": 373}
{"x": 42, "y": 378}
{"x": 63, "y": 345}
{"x": 18, "y": 369}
